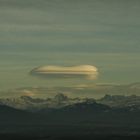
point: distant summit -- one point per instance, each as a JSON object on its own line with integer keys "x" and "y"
{"x": 60, "y": 97}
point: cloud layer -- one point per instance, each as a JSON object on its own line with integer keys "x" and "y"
{"x": 87, "y": 71}
{"x": 71, "y": 25}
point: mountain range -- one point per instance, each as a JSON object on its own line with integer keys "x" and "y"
{"x": 68, "y": 117}
{"x": 60, "y": 100}
{"x": 62, "y": 116}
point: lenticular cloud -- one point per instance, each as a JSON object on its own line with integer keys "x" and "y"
{"x": 87, "y": 71}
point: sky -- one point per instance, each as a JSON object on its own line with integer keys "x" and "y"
{"x": 101, "y": 33}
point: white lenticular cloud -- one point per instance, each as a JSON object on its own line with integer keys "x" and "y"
{"x": 87, "y": 71}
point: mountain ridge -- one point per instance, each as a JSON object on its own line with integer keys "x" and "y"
{"x": 60, "y": 101}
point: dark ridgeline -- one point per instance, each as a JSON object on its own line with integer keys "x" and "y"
{"x": 83, "y": 120}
